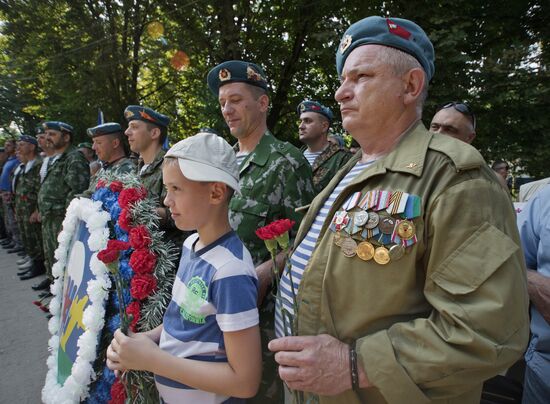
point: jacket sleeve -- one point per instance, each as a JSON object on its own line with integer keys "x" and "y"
{"x": 298, "y": 191}
{"x": 475, "y": 282}
{"x": 77, "y": 176}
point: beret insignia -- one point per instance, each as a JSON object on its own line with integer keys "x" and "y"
{"x": 302, "y": 107}
{"x": 145, "y": 115}
{"x": 253, "y": 74}
{"x": 346, "y": 42}
{"x": 128, "y": 114}
{"x": 224, "y": 75}
{"x": 397, "y": 30}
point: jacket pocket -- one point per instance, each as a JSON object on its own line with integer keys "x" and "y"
{"x": 248, "y": 211}
{"x": 474, "y": 261}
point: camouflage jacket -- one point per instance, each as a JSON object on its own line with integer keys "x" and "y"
{"x": 67, "y": 176}
{"x": 122, "y": 166}
{"x": 151, "y": 178}
{"x": 275, "y": 179}
{"x": 327, "y": 164}
{"x": 27, "y": 186}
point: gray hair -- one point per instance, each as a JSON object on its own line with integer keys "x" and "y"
{"x": 401, "y": 62}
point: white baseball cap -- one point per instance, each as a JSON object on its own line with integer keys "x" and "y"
{"x": 206, "y": 157}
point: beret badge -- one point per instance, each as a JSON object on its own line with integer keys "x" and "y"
{"x": 128, "y": 114}
{"x": 346, "y": 42}
{"x": 302, "y": 108}
{"x": 253, "y": 74}
{"x": 224, "y": 75}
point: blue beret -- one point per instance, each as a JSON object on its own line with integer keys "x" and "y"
{"x": 39, "y": 130}
{"x": 235, "y": 71}
{"x": 397, "y": 33}
{"x": 104, "y": 129}
{"x": 85, "y": 145}
{"x": 57, "y": 125}
{"x": 314, "y": 106}
{"x": 28, "y": 139}
{"x": 133, "y": 112}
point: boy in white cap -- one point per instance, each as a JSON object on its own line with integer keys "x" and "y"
{"x": 208, "y": 348}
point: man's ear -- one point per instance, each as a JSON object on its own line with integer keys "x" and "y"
{"x": 155, "y": 133}
{"x": 413, "y": 81}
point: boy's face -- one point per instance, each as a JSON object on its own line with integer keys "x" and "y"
{"x": 189, "y": 201}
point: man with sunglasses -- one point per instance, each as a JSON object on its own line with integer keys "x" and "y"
{"x": 455, "y": 119}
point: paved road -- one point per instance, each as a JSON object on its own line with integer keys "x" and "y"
{"x": 23, "y": 337}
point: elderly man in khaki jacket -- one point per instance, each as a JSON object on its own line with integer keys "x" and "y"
{"x": 407, "y": 269}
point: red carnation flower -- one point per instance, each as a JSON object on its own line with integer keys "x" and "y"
{"x": 140, "y": 237}
{"x": 118, "y": 393}
{"x": 142, "y": 285}
{"x": 37, "y": 303}
{"x": 107, "y": 256}
{"x": 117, "y": 245}
{"x": 265, "y": 233}
{"x": 125, "y": 220}
{"x": 44, "y": 309}
{"x": 116, "y": 186}
{"x": 282, "y": 226}
{"x": 130, "y": 196}
{"x": 134, "y": 309}
{"x": 143, "y": 261}
{"x": 100, "y": 184}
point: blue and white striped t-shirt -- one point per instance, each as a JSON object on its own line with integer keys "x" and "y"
{"x": 215, "y": 291}
{"x": 301, "y": 255}
{"x": 311, "y": 156}
{"x": 240, "y": 158}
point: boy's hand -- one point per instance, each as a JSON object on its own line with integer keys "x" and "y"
{"x": 135, "y": 351}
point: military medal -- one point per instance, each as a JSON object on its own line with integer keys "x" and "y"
{"x": 373, "y": 220}
{"x": 365, "y": 250}
{"x": 386, "y": 224}
{"x": 340, "y": 220}
{"x": 396, "y": 252}
{"x": 381, "y": 255}
{"x": 349, "y": 247}
{"x": 360, "y": 218}
{"x": 406, "y": 229}
{"x": 338, "y": 238}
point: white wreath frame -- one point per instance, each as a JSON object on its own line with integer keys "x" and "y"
{"x": 76, "y": 387}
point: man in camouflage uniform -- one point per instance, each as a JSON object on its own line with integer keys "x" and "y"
{"x": 26, "y": 187}
{"x": 108, "y": 143}
{"x": 67, "y": 175}
{"x": 325, "y": 157}
{"x": 147, "y": 131}
{"x": 275, "y": 179}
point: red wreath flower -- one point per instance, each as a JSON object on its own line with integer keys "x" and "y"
{"x": 133, "y": 309}
{"x": 107, "y": 256}
{"x": 117, "y": 245}
{"x": 125, "y": 219}
{"x": 142, "y": 285}
{"x": 140, "y": 237}
{"x": 100, "y": 184}
{"x": 143, "y": 261}
{"x": 118, "y": 393}
{"x": 116, "y": 186}
{"x": 130, "y": 196}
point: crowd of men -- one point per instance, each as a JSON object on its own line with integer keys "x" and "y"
{"x": 407, "y": 264}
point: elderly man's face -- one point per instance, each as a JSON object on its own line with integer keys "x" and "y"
{"x": 449, "y": 121}
{"x": 370, "y": 94}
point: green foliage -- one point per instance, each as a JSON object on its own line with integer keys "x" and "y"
{"x": 64, "y": 59}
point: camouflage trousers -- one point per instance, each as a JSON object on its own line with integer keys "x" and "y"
{"x": 31, "y": 233}
{"x": 51, "y": 226}
{"x": 10, "y": 222}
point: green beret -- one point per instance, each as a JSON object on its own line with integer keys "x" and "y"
{"x": 57, "y": 125}
{"x": 314, "y": 106}
{"x": 104, "y": 129}
{"x": 397, "y": 33}
{"x": 235, "y": 71}
{"x": 137, "y": 112}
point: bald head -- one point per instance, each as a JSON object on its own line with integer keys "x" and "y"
{"x": 449, "y": 121}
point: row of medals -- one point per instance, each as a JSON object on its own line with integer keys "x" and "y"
{"x": 367, "y": 250}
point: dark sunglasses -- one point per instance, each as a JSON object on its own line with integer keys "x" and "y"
{"x": 461, "y": 107}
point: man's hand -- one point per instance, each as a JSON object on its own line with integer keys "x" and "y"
{"x": 538, "y": 287}
{"x": 34, "y": 217}
{"x": 318, "y": 364}
{"x": 131, "y": 352}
